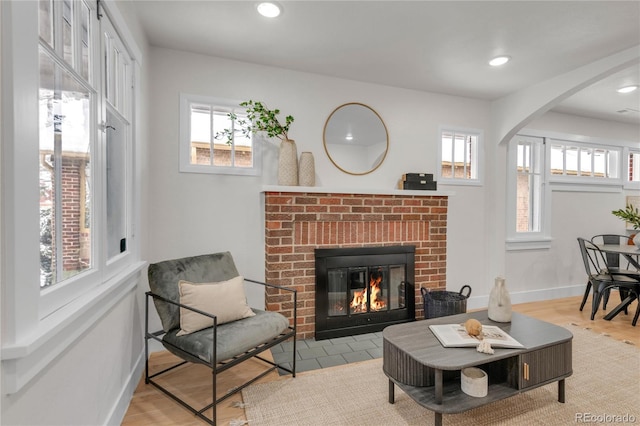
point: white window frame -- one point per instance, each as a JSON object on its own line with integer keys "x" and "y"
{"x": 552, "y": 183}
{"x": 478, "y": 150}
{"x": 535, "y": 239}
{"x": 36, "y": 330}
{"x": 222, "y": 105}
{"x": 585, "y": 180}
{"x": 626, "y": 154}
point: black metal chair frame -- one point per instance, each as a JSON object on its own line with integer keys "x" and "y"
{"x": 602, "y": 280}
{"x": 219, "y": 367}
{"x": 613, "y": 259}
{"x": 613, "y": 263}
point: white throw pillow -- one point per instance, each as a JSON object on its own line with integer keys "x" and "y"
{"x": 226, "y": 300}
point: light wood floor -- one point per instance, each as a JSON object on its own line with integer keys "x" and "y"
{"x": 149, "y": 406}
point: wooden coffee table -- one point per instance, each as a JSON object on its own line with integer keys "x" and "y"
{"x": 429, "y": 373}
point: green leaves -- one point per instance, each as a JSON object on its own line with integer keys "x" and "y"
{"x": 259, "y": 119}
{"x": 629, "y": 214}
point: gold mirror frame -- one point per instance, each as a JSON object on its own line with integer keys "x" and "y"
{"x": 368, "y": 136}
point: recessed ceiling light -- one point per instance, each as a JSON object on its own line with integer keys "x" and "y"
{"x": 268, "y": 9}
{"x": 627, "y": 89}
{"x": 499, "y": 60}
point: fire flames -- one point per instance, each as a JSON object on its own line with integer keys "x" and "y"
{"x": 360, "y": 298}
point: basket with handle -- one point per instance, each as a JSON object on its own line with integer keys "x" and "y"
{"x": 440, "y": 303}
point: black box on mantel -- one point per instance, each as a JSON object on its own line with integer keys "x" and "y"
{"x": 417, "y": 177}
{"x": 420, "y": 185}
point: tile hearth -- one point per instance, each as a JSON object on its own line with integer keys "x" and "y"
{"x": 313, "y": 355}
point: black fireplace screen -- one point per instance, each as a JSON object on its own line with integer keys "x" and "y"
{"x": 360, "y": 290}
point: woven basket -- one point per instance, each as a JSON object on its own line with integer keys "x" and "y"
{"x": 441, "y": 303}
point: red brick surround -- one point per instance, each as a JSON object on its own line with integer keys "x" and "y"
{"x": 296, "y": 223}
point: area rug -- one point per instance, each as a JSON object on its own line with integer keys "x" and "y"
{"x": 603, "y": 389}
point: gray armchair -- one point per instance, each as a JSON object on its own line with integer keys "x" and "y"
{"x": 218, "y": 346}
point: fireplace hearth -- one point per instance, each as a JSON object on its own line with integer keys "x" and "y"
{"x": 363, "y": 289}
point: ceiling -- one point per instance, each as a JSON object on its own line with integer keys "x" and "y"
{"x": 434, "y": 46}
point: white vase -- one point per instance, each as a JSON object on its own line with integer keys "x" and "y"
{"x": 306, "y": 170}
{"x": 288, "y": 163}
{"x": 636, "y": 239}
{"x": 499, "y": 302}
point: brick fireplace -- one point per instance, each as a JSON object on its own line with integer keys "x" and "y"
{"x": 296, "y": 223}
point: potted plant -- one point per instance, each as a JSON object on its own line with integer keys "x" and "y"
{"x": 631, "y": 215}
{"x": 261, "y": 119}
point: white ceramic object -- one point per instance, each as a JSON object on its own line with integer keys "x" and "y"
{"x": 474, "y": 382}
{"x": 288, "y": 163}
{"x": 499, "y": 309}
{"x": 306, "y": 170}
{"x": 636, "y": 239}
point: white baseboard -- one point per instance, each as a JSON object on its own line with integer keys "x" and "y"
{"x": 122, "y": 403}
{"x": 479, "y": 302}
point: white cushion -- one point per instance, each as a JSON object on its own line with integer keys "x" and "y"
{"x": 226, "y": 300}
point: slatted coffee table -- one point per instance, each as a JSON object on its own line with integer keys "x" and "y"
{"x": 416, "y": 362}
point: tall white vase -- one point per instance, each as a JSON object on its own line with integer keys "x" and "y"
{"x": 499, "y": 309}
{"x": 306, "y": 170}
{"x": 288, "y": 163}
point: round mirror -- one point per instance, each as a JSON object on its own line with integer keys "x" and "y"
{"x": 356, "y": 139}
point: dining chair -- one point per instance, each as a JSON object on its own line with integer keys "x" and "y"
{"x": 602, "y": 280}
{"x": 613, "y": 260}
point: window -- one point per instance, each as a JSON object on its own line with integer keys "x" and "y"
{"x": 66, "y": 136}
{"x": 460, "y": 156}
{"x": 583, "y": 163}
{"x": 539, "y": 163}
{"x": 117, "y": 81}
{"x": 203, "y": 149}
{"x": 68, "y": 180}
{"x": 633, "y": 167}
{"x": 527, "y": 195}
{"x": 67, "y": 106}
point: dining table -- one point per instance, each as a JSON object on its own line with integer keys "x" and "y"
{"x": 632, "y": 254}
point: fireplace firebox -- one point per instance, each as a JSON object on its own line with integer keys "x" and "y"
{"x": 363, "y": 289}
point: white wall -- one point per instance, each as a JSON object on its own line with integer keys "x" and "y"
{"x": 90, "y": 383}
{"x": 543, "y": 274}
{"x": 194, "y": 213}
{"x": 204, "y": 213}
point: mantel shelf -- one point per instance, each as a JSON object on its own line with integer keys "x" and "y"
{"x": 366, "y": 191}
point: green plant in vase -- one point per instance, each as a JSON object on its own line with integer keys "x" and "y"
{"x": 631, "y": 215}
{"x": 260, "y": 119}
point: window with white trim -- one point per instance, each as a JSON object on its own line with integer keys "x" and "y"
{"x": 583, "y": 163}
{"x": 203, "y": 147}
{"x": 541, "y": 162}
{"x": 75, "y": 90}
{"x": 460, "y": 156}
{"x": 527, "y": 196}
{"x": 68, "y": 178}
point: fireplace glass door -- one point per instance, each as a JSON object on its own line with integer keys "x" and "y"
{"x": 359, "y": 290}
